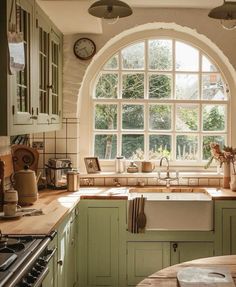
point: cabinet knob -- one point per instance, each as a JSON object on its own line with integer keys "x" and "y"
{"x": 60, "y": 262}
{"x": 175, "y": 246}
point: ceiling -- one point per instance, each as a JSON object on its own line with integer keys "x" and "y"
{"x": 71, "y": 16}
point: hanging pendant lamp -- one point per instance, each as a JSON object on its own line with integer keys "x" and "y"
{"x": 226, "y": 13}
{"x": 110, "y": 9}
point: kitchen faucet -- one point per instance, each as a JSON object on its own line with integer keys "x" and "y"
{"x": 167, "y": 178}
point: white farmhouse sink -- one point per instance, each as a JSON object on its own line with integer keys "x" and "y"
{"x": 177, "y": 210}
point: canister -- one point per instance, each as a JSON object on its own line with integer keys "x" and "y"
{"x": 72, "y": 180}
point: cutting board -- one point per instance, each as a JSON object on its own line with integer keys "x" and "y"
{"x": 200, "y": 277}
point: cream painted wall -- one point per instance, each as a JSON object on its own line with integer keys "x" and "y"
{"x": 196, "y": 19}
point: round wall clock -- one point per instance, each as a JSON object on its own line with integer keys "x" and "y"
{"x": 84, "y": 48}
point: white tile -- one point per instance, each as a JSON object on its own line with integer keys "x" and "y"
{"x": 62, "y": 132}
{"x": 60, "y": 155}
{"x": 72, "y": 130}
{"x": 74, "y": 160}
{"x": 131, "y": 181}
{"x": 193, "y": 181}
{"x": 214, "y": 182}
{"x": 183, "y": 181}
{"x": 61, "y": 146}
{"x": 72, "y": 146}
{"x": 49, "y": 146}
{"x": 152, "y": 181}
{"x": 38, "y": 135}
{"x": 41, "y": 161}
{"x": 50, "y": 135}
{"x": 109, "y": 181}
{"x": 203, "y": 181}
{"x": 99, "y": 181}
{"x": 47, "y": 157}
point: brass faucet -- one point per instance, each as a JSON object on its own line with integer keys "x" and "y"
{"x": 167, "y": 178}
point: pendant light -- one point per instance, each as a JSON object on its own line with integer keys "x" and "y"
{"x": 110, "y": 9}
{"x": 226, "y": 13}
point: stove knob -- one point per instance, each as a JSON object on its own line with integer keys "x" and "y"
{"x": 42, "y": 262}
{"x": 39, "y": 267}
{"x": 30, "y": 278}
{"x": 25, "y": 284}
{"x": 35, "y": 272}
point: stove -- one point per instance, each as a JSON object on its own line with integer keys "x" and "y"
{"x": 24, "y": 259}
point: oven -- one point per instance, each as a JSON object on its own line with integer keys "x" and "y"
{"x": 25, "y": 260}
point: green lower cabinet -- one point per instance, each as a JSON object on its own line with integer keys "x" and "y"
{"x": 229, "y": 231}
{"x": 101, "y": 235}
{"x": 186, "y": 251}
{"x": 51, "y": 279}
{"x": 145, "y": 258}
{"x": 225, "y": 218}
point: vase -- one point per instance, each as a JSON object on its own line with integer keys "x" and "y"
{"x": 233, "y": 182}
{"x": 226, "y": 176}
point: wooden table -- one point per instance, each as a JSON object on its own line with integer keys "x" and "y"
{"x": 167, "y": 277}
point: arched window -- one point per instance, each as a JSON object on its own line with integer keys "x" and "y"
{"x": 159, "y": 97}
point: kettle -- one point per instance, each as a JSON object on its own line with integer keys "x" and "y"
{"x": 25, "y": 182}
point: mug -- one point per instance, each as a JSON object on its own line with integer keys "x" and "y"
{"x": 147, "y": 166}
{"x": 10, "y": 209}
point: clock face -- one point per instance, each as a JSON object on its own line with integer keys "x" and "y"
{"x": 84, "y": 48}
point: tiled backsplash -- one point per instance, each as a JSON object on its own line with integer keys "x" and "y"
{"x": 59, "y": 144}
{"x": 141, "y": 180}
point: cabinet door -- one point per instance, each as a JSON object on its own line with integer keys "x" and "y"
{"x": 102, "y": 250}
{"x": 43, "y": 29}
{"x": 51, "y": 279}
{"x": 145, "y": 258}
{"x": 62, "y": 254}
{"x": 229, "y": 231}
{"x": 55, "y": 77}
{"x": 20, "y": 88}
{"x": 186, "y": 251}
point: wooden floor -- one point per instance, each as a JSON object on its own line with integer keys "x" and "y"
{"x": 167, "y": 277}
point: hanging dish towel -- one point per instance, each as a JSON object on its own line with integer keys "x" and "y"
{"x": 135, "y": 207}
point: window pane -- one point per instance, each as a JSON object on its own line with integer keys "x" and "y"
{"x": 186, "y": 147}
{"x": 213, "y": 87}
{"x": 112, "y": 63}
{"x": 159, "y": 145}
{"x": 187, "y": 117}
{"x": 133, "y": 146}
{"x": 133, "y": 86}
{"x": 159, "y": 86}
{"x": 160, "y": 117}
{"x": 206, "y": 144}
{"x": 133, "y": 56}
{"x": 214, "y": 117}
{"x": 105, "y": 146}
{"x": 187, "y": 57}
{"x": 207, "y": 65}
{"x": 160, "y": 55}
{"x": 107, "y": 86}
{"x": 106, "y": 117}
{"x": 186, "y": 87}
{"x": 133, "y": 117}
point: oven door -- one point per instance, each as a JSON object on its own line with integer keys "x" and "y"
{"x": 50, "y": 279}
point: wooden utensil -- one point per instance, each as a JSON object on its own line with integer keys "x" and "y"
{"x": 141, "y": 220}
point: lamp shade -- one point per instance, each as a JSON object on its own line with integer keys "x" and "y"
{"x": 110, "y": 9}
{"x": 227, "y": 11}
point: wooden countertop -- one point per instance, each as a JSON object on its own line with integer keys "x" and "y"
{"x": 167, "y": 277}
{"x": 56, "y": 204}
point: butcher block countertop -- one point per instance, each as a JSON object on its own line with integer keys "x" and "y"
{"x": 167, "y": 277}
{"x": 56, "y": 204}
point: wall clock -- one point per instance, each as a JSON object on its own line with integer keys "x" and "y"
{"x": 84, "y": 48}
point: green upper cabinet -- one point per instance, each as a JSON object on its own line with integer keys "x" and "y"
{"x": 31, "y": 99}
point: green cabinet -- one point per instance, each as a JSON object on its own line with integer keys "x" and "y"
{"x": 67, "y": 249}
{"x": 51, "y": 279}
{"x": 145, "y": 258}
{"x": 31, "y": 99}
{"x": 101, "y": 252}
{"x": 186, "y": 251}
{"x": 225, "y": 219}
